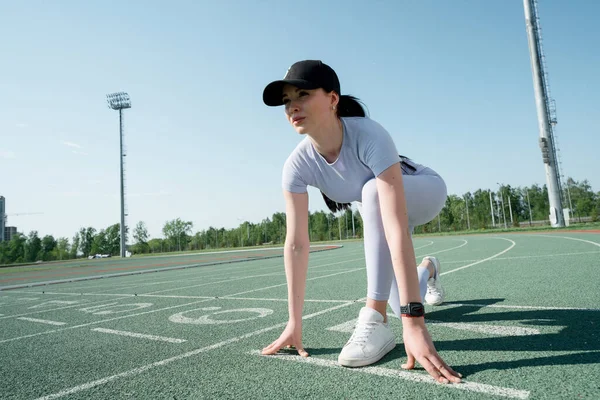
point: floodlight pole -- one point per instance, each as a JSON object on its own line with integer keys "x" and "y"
{"x": 120, "y": 101}
{"x": 122, "y": 184}
{"x": 545, "y": 113}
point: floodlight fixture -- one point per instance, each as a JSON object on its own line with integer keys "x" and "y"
{"x": 118, "y": 100}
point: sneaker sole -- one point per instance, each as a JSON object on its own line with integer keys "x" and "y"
{"x": 361, "y": 362}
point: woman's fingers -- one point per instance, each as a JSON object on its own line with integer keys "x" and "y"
{"x": 410, "y": 362}
{"x": 301, "y": 351}
{"x": 272, "y": 348}
{"x": 449, "y": 373}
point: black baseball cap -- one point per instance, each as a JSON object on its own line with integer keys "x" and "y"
{"x": 307, "y": 74}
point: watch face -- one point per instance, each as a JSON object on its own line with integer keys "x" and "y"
{"x": 417, "y": 309}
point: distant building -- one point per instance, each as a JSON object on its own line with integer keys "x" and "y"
{"x": 2, "y": 218}
{"x": 9, "y": 232}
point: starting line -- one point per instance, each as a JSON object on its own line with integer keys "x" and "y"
{"x": 412, "y": 376}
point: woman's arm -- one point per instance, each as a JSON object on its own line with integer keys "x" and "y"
{"x": 417, "y": 341}
{"x": 296, "y": 251}
{"x": 296, "y": 264}
{"x": 390, "y": 189}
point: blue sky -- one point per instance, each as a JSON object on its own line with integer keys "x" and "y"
{"x": 450, "y": 80}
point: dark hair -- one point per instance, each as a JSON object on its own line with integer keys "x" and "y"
{"x": 348, "y": 106}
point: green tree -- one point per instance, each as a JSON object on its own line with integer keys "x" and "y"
{"x": 61, "y": 252}
{"x": 177, "y": 232}
{"x": 16, "y": 248}
{"x": 86, "y": 239}
{"x": 33, "y": 247}
{"x": 74, "y": 250}
{"x": 48, "y": 246}
{"x": 140, "y": 235}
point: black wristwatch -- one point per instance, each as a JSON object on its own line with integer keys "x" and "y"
{"x": 412, "y": 310}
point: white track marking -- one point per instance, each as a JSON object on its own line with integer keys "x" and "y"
{"x": 138, "y": 272}
{"x": 139, "y": 370}
{"x": 181, "y": 318}
{"x": 241, "y": 278}
{"x": 525, "y": 257}
{"x": 158, "y": 310}
{"x": 209, "y": 269}
{"x": 42, "y": 321}
{"x": 498, "y": 330}
{"x": 51, "y": 309}
{"x": 450, "y": 249}
{"x": 571, "y": 238}
{"x": 411, "y": 376}
{"x": 345, "y": 327}
{"x": 309, "y": 279}
{"x": 139, "y": 335}
{"x": 523, "y": 307}
{"x": 51, "y": 303}
{"x": 239, "y": 298}
{"x": 209, "y": 253}
{"x": 484, "y": 260}
{"x": 426, "y": 245}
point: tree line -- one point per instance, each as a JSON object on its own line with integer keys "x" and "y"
{"x": 483, "y": 209}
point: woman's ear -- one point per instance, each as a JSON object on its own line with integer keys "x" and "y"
{"x": 335, "y": 100}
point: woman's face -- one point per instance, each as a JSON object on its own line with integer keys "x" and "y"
{"x": 308, "y": 110}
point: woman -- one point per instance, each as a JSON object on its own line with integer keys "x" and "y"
{"x": 351, "y": 158}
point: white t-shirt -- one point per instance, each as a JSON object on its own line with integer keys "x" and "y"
{"x": 367, "y": 151}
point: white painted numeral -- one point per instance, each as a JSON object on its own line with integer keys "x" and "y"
{"x": 181, "y": 317}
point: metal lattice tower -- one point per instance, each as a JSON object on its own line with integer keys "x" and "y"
{"x": 546, "y": 110}
{"x": 120, "y": 101}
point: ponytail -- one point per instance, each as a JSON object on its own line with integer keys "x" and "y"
{"x": 335, "y": 206}
{"x": 350, "y": 106}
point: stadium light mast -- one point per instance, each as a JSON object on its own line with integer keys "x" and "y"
{"x": 120, "y": 101}
{"x": 545, "y": 111}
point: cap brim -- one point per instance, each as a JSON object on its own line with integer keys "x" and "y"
{"x": 273, "y": 93}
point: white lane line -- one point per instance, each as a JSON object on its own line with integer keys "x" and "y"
{"x": 245, "y": 277}
{"x": 154, "y": 311}
{"x": 197, "y": 274}
{"x": 484, "y": 260}
{"x": 54, "y": 309}
{"x": 309, "y": 279}
{"x": 238, "y": 298}
{"x": 411, "y": 376}
{"x": 166, "y": 361}
{"x": 42, "y": 321}
{"x": 498, "y": 330}
{"x": 571, "y": 238}
{"x": 139, "y": 335}
{"x": 522, "y": 307}
{"x": 426, "y": 245}
{"x": 532, "y": 256}
{"x": 450, "y": 249}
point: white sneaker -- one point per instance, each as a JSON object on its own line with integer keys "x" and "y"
{"x": 435, "y": 291}
{"x": 372, "y": 339}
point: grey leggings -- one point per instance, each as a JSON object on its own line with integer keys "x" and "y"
{"x": 425, "y": 194}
